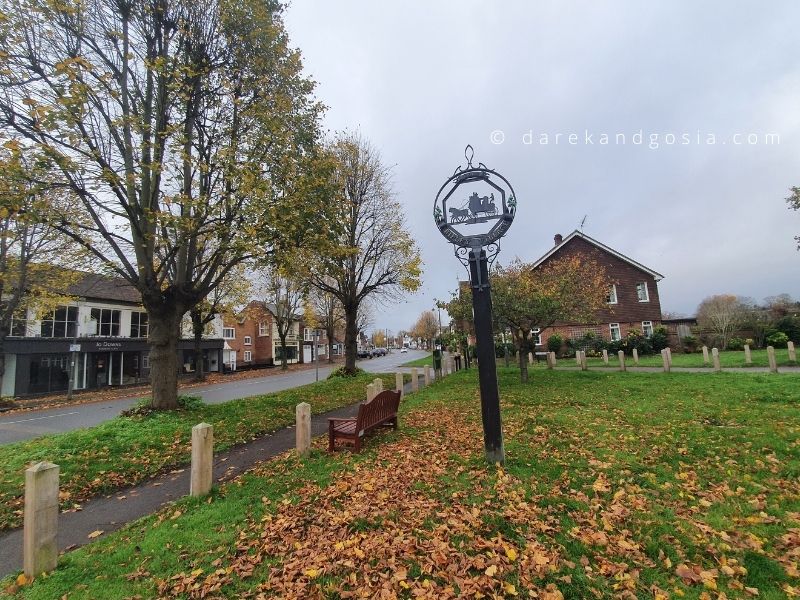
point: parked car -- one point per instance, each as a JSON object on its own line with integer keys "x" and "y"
{"x": 403, "y": 350}
{"x": 379, "y": 352}
{"x": 364, "y": 353}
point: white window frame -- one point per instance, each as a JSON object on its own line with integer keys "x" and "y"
{"x": 308, "y": 334}
{"x": 145, "y": 361}
{"x": 537, "y": 336}
{"x": 248, "y": 341}
{"x": 612, "y": 294}
{"x": 229, "y": 329}
{"x": 645, "y": 325}
{"x": 643, "y": 285}
{"x": 248, "y": 356}
{"x": 611, "y": 328}
{"x": 263, "y": 329}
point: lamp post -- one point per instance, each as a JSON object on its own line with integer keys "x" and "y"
{"x": 474, "y": 225}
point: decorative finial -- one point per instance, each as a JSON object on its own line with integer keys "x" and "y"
{"x": 469, "y": 152}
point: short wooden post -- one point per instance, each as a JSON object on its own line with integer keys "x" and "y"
{"x": 705, "y": 356}
{"x": 398, "y": 383}
{"x": 39, "y": 548}
{"x": 414, "y": 380}
{"x": 715, "y": 360}
{"x": 530, "y": 358}
{"x": 665, "y": 360}
{"x": 202, "y": 459}
{"x": 773, "y": 364}
{"x": 378, "y": 385}
{"x": 553, "y": 358}
{"x": 605, "y": 356}
{"x": 549, "y": 360}
{"x": 635, "y": 356}
{"x": 584, "y": 366}
{"x": 303, "y": 428}
{"x": 669, "y": 356}
{"x": 792, "y": 353}
{"x": 427, "y": 375}
{"x": 578, "y": 357}
{"x": 621, "y": 355}
{"x": 748, "y": 358}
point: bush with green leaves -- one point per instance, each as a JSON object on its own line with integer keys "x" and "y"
{"x": 591, "y": 343}
{"x": 690, "y": 343}
{"x": 659, "y": 339}
{"x": 736, "y": 343}
{"x": 554, "y": 343}
{"x": 790, "y": 325}
{"x": 778, "y": 339}
{"x": 343, "y": 372}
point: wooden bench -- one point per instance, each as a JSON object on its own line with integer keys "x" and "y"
{"x": 381, "y": 411}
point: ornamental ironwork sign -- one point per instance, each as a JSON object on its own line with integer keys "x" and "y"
{"x": 474, "y": 208}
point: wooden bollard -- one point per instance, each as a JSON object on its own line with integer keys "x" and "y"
{"x": 427, "y": 374}
{"x": 621, "y": 355}
{"x": 715, "y": 360}
{"x": 584, "y": 366}
{"x": 530, "y": 358}
{"x": 303, "y": 428}
{"x": 549, "y": 360}
{"x": 665, "y": 360}
{"x": 414, "y": 380}
{"x": 370, "y": 391}
{"x": 202, "y": 459}
{"x": 605, "y": 356}
{"x": 578, "y": 357}
{"x": 635, "y": 356}
{"x": 553, "y": 359}
{"x": 669, "y": 356}
{"x": 773, "y": 364}
{"x": 398, "y": 383}
{"x": 39, "y": 548}
{"x": 748, "y": 358}
{"x": 705, "y": 356}
{"x": 792, "y": 353}
{"x": 378, "y": 385}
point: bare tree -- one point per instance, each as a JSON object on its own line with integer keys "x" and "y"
{"x": 722, "y": 315}
{"x": 177, "y": 126}
{"x": 376, "y": 255}
{"x": 328, "y": 311}
{"x": 285, "y": 297}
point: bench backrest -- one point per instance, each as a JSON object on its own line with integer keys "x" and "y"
{"x": 380, "y": 408}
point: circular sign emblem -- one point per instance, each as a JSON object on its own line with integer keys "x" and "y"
{"x": 475, "y": 206}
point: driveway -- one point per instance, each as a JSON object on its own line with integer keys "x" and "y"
{"x": 31, "y": 424}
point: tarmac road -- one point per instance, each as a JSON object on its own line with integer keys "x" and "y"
{"x": 31, "y": 424}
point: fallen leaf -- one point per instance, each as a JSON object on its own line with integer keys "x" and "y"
{"x": 95, "y": 534}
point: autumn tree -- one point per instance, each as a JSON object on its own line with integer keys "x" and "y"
{"x": 425, "y": 327}
{"x": 176, "y": 125}
{"x": 722, "y": 315}
{"x": 285, "y": 295}
{"x": 459, "y": 307}
{"x": 524, "y": 298}
{"x": 376, "y": 257}
{"x": 31, "y": 250}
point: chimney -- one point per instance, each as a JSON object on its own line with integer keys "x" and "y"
{"x": 558, "y": 239}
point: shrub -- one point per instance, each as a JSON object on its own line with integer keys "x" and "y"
{"x": 634, "y": 340}
{"x": 778, "y": 339}
{"x": 591, "y": 343}
{"x": 659, "y": 339}
{"x": 736, "y": 343}
{"x": 690, "y": 343}
{"x": 554, "y": 343}
{"x": 187, "y": 402}
{"x": 344, "y": 372}
{"x": 790, "y": 325}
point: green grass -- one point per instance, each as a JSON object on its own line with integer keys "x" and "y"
{"x": 128, "y": 450}
{"x": 727, "y": 359}
{"x": 420, "y": 362}
{"x": 629, "y": 474}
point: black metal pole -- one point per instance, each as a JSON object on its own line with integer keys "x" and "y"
{"x": 487, "y": 370}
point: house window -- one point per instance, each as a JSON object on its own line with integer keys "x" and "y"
{"x": 536, "y": 334}
{"x": 616, "y": 334}
{"x": 248, "y": 356}
{"x": 19, "y": 326}
{"x": 308, "y": 334}
{"x": 612, "y": 295}
{"x": 139, "y": 325}
{"x": 647, "y": 328}
{"x": 641, "y": 292}
{"x": 62, "y": 322}
{"x": 107, "y": 321}
{"x": 263, "y": 329}
{"x": 145, "y": 361}
{"x": 229, "y": 333}
{"x": 248, "y": 340}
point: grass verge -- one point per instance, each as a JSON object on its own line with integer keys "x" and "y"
{"x": 127, "y": 450}
{"x": 420, "y": 362}
{"x": 727, "y": 359}
{"x": 616, "y": 485}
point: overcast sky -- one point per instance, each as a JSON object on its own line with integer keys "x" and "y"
{"x": 423, "y": 79}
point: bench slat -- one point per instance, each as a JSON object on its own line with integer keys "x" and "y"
{"x": 381, "y": 410}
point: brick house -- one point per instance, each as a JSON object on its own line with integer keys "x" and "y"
{"x": 251, "y": 339}
{"x": 633, "y": 301}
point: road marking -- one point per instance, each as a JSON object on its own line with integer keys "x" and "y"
{"x": 38, "y": 418}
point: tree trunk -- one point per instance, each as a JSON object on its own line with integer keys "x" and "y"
{"x": 163, "y": 340}
{"x": 197, "y": 330}
{"x": 2, "y": 360}
{"x": 329, "y": 333}
{"x": 523, "y": 360}
{"x": 284, "y": 364}
{"x": 350, "y": 340}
